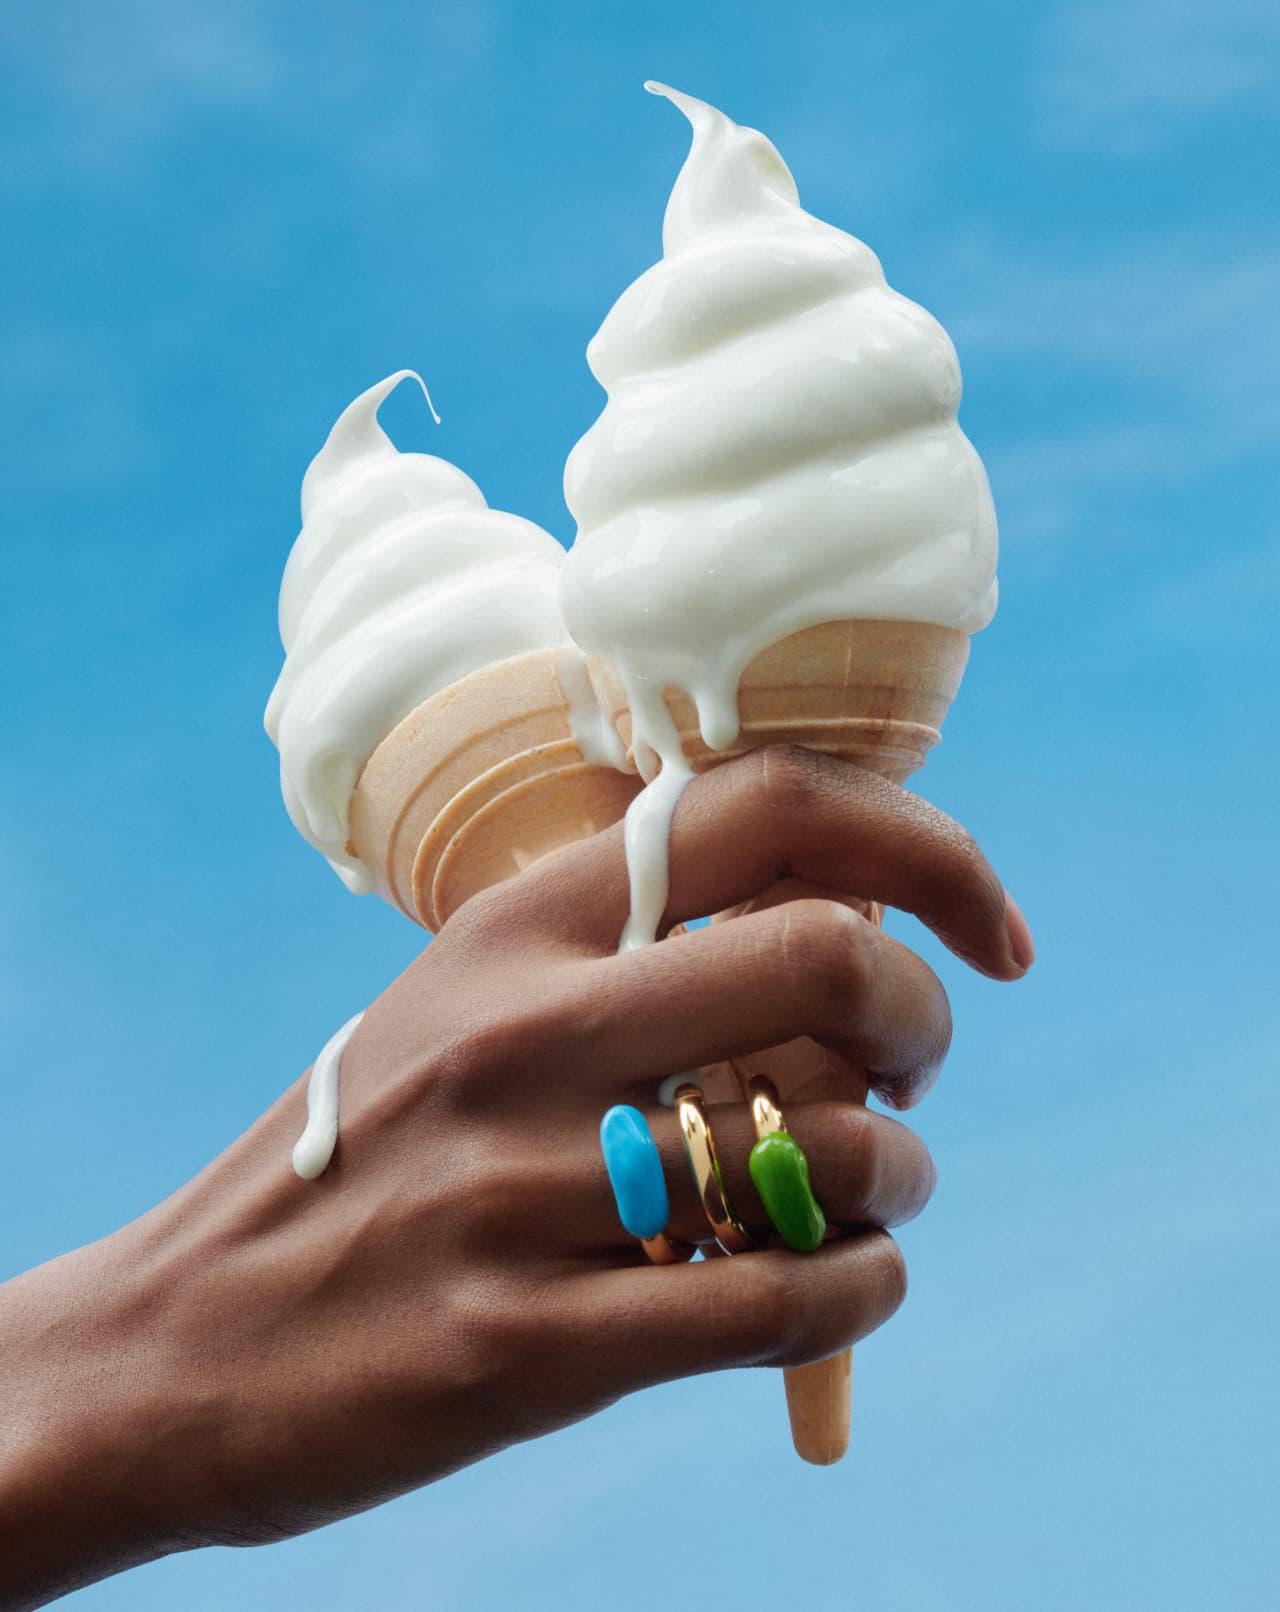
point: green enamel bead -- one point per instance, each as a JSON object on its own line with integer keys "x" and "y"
{"x": 780, "y": 1173}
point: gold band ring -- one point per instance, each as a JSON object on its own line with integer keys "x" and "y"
{"x": 704, "y": 1161}
{"x": 662, "y": 1250}
{"x": 766, "y": 1116}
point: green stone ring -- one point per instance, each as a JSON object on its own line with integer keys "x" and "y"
{"x": 780, "y": 1173}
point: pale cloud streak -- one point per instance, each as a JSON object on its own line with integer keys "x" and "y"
{"x": 1072, "y": 1271}
{"x": 1121, "y": 76}
{"x": 1232, "y": 591}
{"x": 114, "y": 80}
{"x": 1194, "y": 317}
{"x": 1171, "y": 338}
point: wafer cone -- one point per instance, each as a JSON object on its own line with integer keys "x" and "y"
{"x": 874, "y": 693}
{"x": 478, "y": 783}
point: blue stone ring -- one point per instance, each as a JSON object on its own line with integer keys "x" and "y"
{"x": 639, "y": 1186}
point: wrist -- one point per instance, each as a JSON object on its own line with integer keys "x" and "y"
{"x": 99, "y": 1426}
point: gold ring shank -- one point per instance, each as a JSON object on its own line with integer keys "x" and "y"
{"x": 766, "y": 1116}
{"x": 700, "y": 1148}
{"x": 662, "y": 1250}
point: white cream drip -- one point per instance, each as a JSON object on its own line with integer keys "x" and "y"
{"x": 646, "y": 831}
{"x": 401, "y": 582}
{"x": 314, "y": 1148}
{"x": 593, "y": 733}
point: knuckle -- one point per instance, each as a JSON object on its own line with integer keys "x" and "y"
{"x": 939, "y": 1027}
{"x": 852, "y": 1135}
{"x": 890, "y": 1277}
{"x": 908, "y": 1073}
{"x": 827, "y": 954}
{"x": 496, "y": 1046}
{"x": 463, "y": 923}
{"x": 492, "y": 1046}
{"x": 499, "y": 1198}
{"x": 975, "y": 874}
{"x": 788, "y": 776}
{"x": 794, "y": 1321}
{"x": 484, "y": 1335}
{"x": 494, "y": 1198}
{"x": 471, "y": 926}
{"x": 780, "y": 1309}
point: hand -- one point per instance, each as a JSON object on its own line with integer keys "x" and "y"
{"x": 260, "y": 1355}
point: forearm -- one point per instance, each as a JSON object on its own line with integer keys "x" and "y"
{"x": 97, "y": 1424}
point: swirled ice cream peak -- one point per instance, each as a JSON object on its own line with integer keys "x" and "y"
{"x": 401, "y": 582}
{"x": 731, "y": 173}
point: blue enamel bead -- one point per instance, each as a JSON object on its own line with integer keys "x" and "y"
{"x": 635, "y": 1171}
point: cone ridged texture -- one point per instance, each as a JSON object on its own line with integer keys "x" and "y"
{"x": 873, "y": 692}
{"x": 477, "y": 784}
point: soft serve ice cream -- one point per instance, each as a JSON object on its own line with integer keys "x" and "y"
{"x": 779, "y": 448}
{"x": 401, "y": 582}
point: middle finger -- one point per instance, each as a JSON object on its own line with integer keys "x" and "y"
{"x": 806, "y": 968}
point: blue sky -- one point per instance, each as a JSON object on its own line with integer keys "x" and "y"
{"x": 223, "y": 221}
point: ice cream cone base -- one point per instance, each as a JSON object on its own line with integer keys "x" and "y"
{"x": 820, "y": 1406}
{"x": 819, "y": 1395}
{"x": 873, "y": 692}
{"x": 480, "y": 782}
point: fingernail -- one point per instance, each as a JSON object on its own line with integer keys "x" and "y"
{"x": 1020, "y": 941}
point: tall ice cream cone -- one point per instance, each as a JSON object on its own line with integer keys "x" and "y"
{"x": 874, "y": 693}
{"x": 779, "y": 463}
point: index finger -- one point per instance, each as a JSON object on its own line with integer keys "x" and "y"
{"x": 789, "y": 813}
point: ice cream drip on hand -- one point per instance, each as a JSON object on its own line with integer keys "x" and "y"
{"x": 401, "y": 582}
{"x": 779, "y": 449}
{"x": 313, "y": 1150}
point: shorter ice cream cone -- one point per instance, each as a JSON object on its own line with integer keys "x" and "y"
{"x": 874, "y": 693}
{"x": 478, "y": 783}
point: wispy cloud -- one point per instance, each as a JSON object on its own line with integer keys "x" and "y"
{"x": 1219, "y": 598}
{"x": 1158, "y": 1221}
{"x": 1171, "y": 338}
{"x": 1122, "y": 75}
{"x": 1191, "y": 315}
{"x": 1040, "y": 481}
{"x": 79, "y": 425}
{"x": 113, "y": 80}
{"x": 104, "y": 103}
